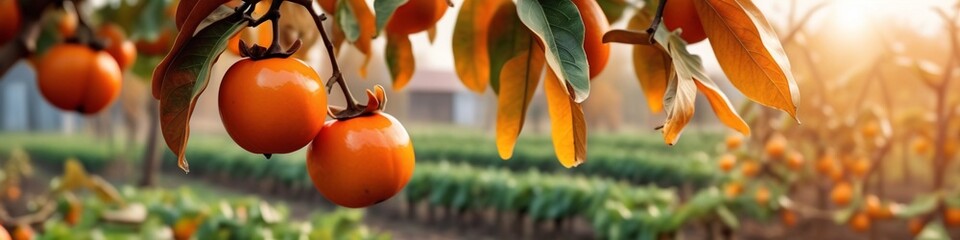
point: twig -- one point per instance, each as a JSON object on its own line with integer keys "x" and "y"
{"x": 337, "y": 74}
{"x": 652, "y": 30}
{"x": 802, "y": 23}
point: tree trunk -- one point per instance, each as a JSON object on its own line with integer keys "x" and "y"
{"x": 151, "y": 155}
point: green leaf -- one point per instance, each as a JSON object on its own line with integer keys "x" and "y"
{"x": 348, "y": 21}
{"x": 933, "y": 231}
{"x": 384, "y": 10}
{"x": 922, "y": 204}
{"x": 506, "y": 40}
{"x": 187, "y": 76}
{"x": 559, "y": 26}
{"x": 727, "y": 217}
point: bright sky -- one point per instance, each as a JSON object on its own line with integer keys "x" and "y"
{"x": 851, "y": 17}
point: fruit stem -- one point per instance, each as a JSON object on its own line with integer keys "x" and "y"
{"x": 84, "y": 33}
{"x": 656, "y": 22}
{"x": 337, "y": 74}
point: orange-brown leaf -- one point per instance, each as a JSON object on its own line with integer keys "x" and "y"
{"x": 679, "y": 105}
{"x": 399, "y": 58}
{"x": 368, "y": 28}
{"x": 721, "y": 106}
{"x": 201, "y": 10}
{"x": 470, "y": 56}
{"x": 749, "y": 52}
{"x": 651, "y": 64}
{"x": 568, "y": 127}
{"x": 518, "y": 82}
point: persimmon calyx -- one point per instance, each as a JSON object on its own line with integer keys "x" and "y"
{"x": 376, "y": 101}
{"x": 257, "y": 52}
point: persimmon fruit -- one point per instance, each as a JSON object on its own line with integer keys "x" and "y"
{"x": 67, "y": 25}
{"x": 9, "y": 20}
{"x": 794, "y": 161}
{"x": 876, "y": 209}
{"x": 22, "y": 232}
{"x": 272, "y": 105}
{"x": 733, "y": 189}
{"x": 727, "y": 162}
{"x": 416, "y": 16}
{"x": 788, "y": 218}
{"x": 682, "y": 14}
{"x": 762, "y": 196}
{"x": 74, "y": 77}
{"x": 776, "y": 146}
{"x": 122, "y": 50}
{"x": 733, "y": 141}
{"x": 595, "y": 24}
{"x": 841, "y": 194}
{"x": 361, "y": 161}
{"x": 860, "y": 167}
{"x": 750, "y": 168}
{"x": 826, "y": 164}
{"x": 951, "y": 216}
{"x": 860, "y": 222}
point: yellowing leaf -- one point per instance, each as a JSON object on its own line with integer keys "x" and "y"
{"x": 651, "y": 65}
{"x": 689, "y": 70}
{"x": 359, "y": 26}
{"x": 679, "y": 104}
{"x": 568, "y": 127}
{"x": 399, "y": 56}
{"x": 470, "y": 55}
{"x": 518, "y": 83}
{"x": 74, "y": 176}
{"x": 722, "y": 106}
{"x": 749, "y": 52}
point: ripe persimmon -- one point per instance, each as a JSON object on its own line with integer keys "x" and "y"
{"x": 416, "y": 16}
{"x": 67, "y": 25}
{"x": 13, "y": 193}
{"x": 23, "y": 232}
{"x": 732, "y": 189}
{"x": 762, "y": 196}
{"x": 877, "y": 209}
{"x": 272, "y": 105}
{"x": 826, "y": 164}
{"x": 788, "y": 218}
{"x": 74, "y": 77}
{"x": 361, "y": 161}
{"x": 776, "y": 147}
{"x": 841, "y": 193}
{"x": 734, "y": 141}
{"x": 860, "y": 167}
{"x": 951, "y": 217}
{"x": 117, "y": 45}
{"x": 595, "y": 24}
{"x": 921, "y": 145}
{"x": 860, "y": 222}
{"x": 750, "y": 168}
{"x": 727, "y": 162}
{"x": 683, "y": 14}
{"x": 9, "y": 20}
{"x": 795, "y": 161}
